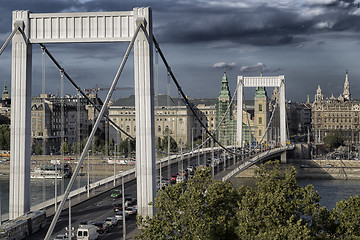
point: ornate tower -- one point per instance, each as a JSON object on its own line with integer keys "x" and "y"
{"x": 5, "y": 94}
{"x": 346, "y": 93}
{"x": 318, "y": 96}
{"x": 225, "y": 133}
{"x": 261, "y": 109}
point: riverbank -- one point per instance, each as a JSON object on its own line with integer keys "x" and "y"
{"x": 98, "y": 165}
{"x": 318, "y": 169}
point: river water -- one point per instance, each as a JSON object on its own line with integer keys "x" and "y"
{"x": 331, "y": 191}
{"x": 41, "y": 189}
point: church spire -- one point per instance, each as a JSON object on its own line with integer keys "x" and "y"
{"x": 5, "y": 94}
{"x": 346, "y": 93}
{"x": 318, "y": 96}
{"x": 224, "y": 90}
{"x": 260, "y": 91}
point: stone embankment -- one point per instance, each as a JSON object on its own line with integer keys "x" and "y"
{"x": 98, "y": 165}
{"x": 318, "y": 169}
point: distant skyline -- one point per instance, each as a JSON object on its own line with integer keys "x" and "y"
{"x": 311, "y": 42}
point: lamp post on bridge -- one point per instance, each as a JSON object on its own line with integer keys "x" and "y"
{"x": 192, "y": 141}
{"x": 88, "y": 176}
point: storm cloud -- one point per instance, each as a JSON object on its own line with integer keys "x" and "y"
{"x": 312, "y": 41}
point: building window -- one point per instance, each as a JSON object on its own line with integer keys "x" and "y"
{"x": 127, "y": 128}
{"x": 260, "y": 120}
{"x": 260, "y": 107}
{"x": 159, "y": 128}
{"x": 259, "y": 132}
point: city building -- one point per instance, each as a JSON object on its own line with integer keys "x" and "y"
{"x": 185, "y": 129}
{"x": 55, "y": 120}
{"x": 5, "y": 104}
{"x": 336, "y": 114}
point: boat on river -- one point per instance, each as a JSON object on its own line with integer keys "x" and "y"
{"x": 51, "y": 172}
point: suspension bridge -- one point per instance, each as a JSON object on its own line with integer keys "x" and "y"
{"x": 134, "y": 27}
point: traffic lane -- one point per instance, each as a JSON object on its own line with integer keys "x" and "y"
{"x": 97, "y": 208}
{"x": 100, "y": 207}
{"x": 117, "y": 231}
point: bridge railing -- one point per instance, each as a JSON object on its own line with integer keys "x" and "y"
{"x": 263, "y": 155}
{"x": 130, "y": 175}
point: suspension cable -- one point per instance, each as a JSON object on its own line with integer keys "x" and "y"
{"x": 223, "y": 118}
{"x": 92, "y": 134}
{"x": 78, "y": 89}
{"x": 184, "y": 96}
{"x": 188, "y": 103}
{"x": 9, "y": 39}
{"x": 267, "y": 127}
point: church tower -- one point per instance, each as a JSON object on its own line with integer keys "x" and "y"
{"x": 346, "y": 93}
{"x": 261, "y": 106}
{"x": 318, "y": 96}
{"x": 225, "y": 133}
{"x": 5, "y": 94}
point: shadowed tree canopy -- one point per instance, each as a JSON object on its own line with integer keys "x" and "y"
{"x": 276, "y": 208}
{"x": 334, "y": 139}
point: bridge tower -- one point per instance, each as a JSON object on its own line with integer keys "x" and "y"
{"x": 262, "y": 81}
{"x": 72, "y": 28}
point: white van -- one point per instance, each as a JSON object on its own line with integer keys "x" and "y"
{"x": 87, "y": 232}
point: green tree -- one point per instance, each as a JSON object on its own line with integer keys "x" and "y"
{"x": 127, "y": 146}
{"x": 38, "y": 149}
{"x": 334, "y": 139}
{"x": 277, "y": 208}
{"x": 173, "y": 144}
{"x": 5, "y": 136}
{"x": 199, "y": 209}
{"x": 345, "y": 219}
{"x": 64, "y": 148}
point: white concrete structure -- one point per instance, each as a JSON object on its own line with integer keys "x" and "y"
{"x": 19, "y": 199}
{"x": 70, "y": 28}
{"x": 278, "y": 81}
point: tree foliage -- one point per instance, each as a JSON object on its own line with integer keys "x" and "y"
{"x": 5, "y": 136}
{"x": 334, "y": 139}
{"x": 127, "y": 146}
{"x": 38, "y": 149}
{"x": 276, "y": 208}
{"x": 199, "y": 209}
{"x": 64, "y": 148}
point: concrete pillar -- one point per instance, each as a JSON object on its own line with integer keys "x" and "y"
{"x": 144, "y": 112}
{"x": 19, "y": 199}
{"x": 282, "y": 117}
{"x": 239, "y": 142}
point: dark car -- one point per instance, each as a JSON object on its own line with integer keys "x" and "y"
{"x": 101, "y": 227}
{"x": 85, "y": 222}
{"x": 117, "y": 207}
{"x": 130, "y": 201}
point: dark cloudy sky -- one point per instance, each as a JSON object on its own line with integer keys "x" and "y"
{"x": 311, "y": 42}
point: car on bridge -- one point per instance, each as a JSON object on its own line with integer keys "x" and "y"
{"x": 85, "y": 222}
{"x": 101, "y": 227}
{"x": 130, "y": 201}
{"x": 117, "y": 207}
{"x": 119, "y": 215}
{"x": 61, "y": 237}
{"x": 111, "y": 221}
{"x": 131, "y": 210}
{"x": 116, "y": 193}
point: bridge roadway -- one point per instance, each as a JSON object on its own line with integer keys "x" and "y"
{"x": 98, "y": 207}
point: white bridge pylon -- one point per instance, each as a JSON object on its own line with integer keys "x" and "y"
{"x": 72, "y": 28}
{"x": 266, "y": 81}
